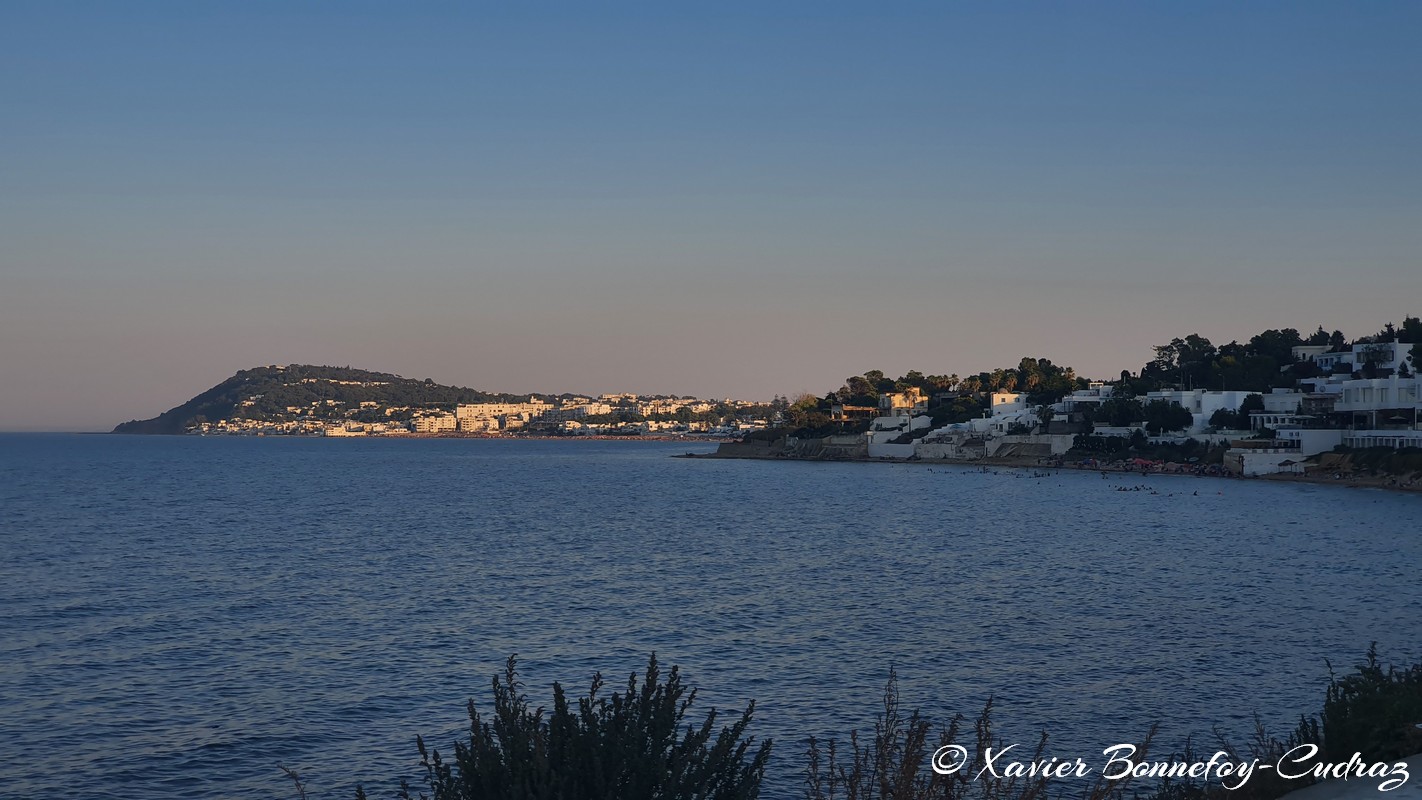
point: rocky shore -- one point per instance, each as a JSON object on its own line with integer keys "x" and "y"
{"x": 1323, "y": 474}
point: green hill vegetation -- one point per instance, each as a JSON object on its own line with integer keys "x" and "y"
{"x": 266, "y": 393}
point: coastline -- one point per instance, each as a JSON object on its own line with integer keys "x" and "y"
{"x": 1392, "y": 483}
{"x": 399, "y": 436}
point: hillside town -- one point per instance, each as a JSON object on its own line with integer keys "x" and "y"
{"x": 1357, "y": 396}
{"x": 605, "y": 415}
{"x": 1297, "y": 398}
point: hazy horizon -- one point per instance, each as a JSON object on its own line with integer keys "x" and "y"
{"x": 732, "y": 201}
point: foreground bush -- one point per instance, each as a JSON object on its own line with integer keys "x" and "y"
{"x": 631, "y": 746}
{"x": 896, "y": 764}
{"x": 637, "y": 745}
{"x": 1373, "y": 711}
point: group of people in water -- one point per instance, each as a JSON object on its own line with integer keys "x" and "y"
{"x": 1140, "y": 487}
{"x": 1144, "y": 488}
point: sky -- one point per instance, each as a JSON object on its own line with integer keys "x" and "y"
{"x": 717, "y": 199}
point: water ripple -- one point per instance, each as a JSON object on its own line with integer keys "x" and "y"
{"x": 183, "y": 614}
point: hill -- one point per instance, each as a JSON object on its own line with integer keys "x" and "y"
{"x": 269, "y": 393}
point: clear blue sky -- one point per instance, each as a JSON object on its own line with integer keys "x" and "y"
{"x": 715, "y": 199}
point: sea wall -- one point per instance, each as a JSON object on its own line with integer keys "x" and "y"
{"x": 891, "y": 450}
{"x": 829, "y": 447}
{"x": 752, "y": 448}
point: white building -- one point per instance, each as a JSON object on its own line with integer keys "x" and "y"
{"x": 1283, "y": 408}
{"x": 1390, "y": 401}
{"x": 1283, "y": 401}
{"x": 1088, "y": 399}
{"x": 1309, "y": 442}
{"x": 478, "y": 424}
{"x": 435, "y": 423}
{"x": 1329, "y": 362}
{"x": 1383, "y": 355}
{"x": 903, "y": 404}
{"x": 1309, "y": 352}
{"x": 474, "y": 411}
{"x": 1395, "y": 439}
{"x": 1008, "y": 403}
{"x": 1387, "y": 356}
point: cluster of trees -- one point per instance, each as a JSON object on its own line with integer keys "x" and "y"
{"x": 1044, "y": 382}
{"x": 950, "y": 398}
{"x": 1264, "y": 362}
{"x": 1158, "y": 415}
{"x": 809, "y": 416}
{"x": 1257, "y": 365}
{"x": 1238, "y": 419}
{"x": 1409, "y": 333}
{"x": 1161, "y": 416}
{"x": 1195, "y": 363}
{"x": 954, "y": 399}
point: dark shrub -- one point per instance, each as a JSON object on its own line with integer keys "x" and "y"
{"x": 1374, "y": 712}
{"x": 630, "y": 745}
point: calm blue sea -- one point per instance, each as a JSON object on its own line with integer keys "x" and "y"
{"x": 180, "y": 615}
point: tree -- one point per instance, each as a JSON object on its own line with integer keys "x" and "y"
{"x": 1305, "y": 369}
{"x": 1163, "y": 416}
{"x": 631, "y": 745}
{"x": 941, "y": 383}
{"x": 1029, "y": 374}
{"x": 1411, "y": 331}
{"x": 1119, "y": 412}
{"x": 1256, "y": 373}
{"x": 1046, "y": 414}
{"x": 1187, "y": 362}
{"x": 805, "y": 412}
{"x": 958, "y": 409}
{"x": 1277, "y": 344}
{"x": 857, "y": 387}
{"x": 1225, "y": 419}
{"x": 881, "y": 384}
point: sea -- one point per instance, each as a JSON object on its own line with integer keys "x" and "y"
{"x": 181, "y": 617}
